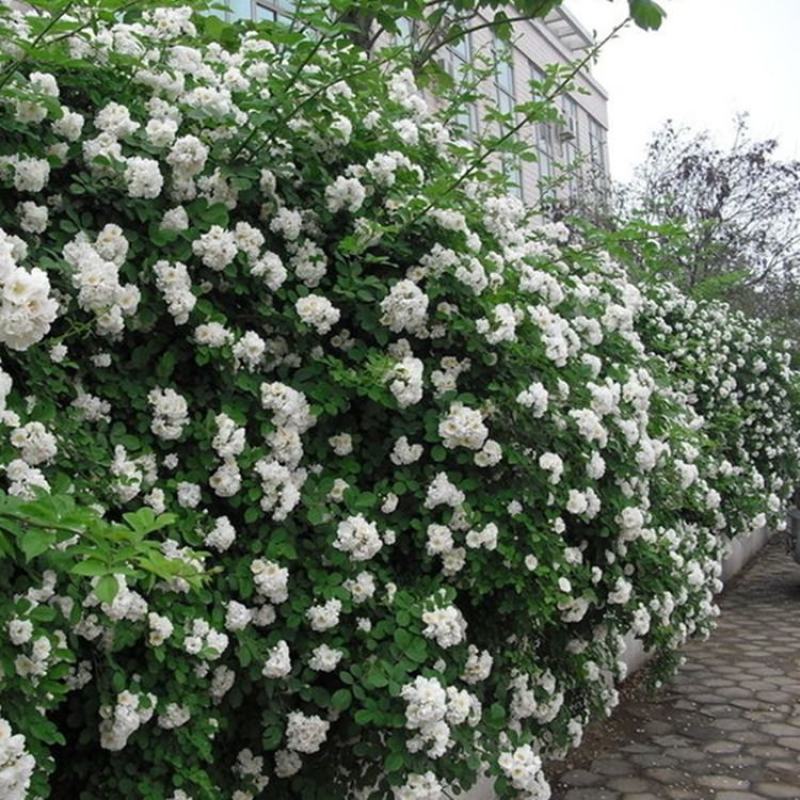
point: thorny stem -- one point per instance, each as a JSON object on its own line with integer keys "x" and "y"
{"x": 9, "y": 69}
{"x": 91, "y": 21}
{"x": 461, "y": 33}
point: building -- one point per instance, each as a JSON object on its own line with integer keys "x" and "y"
{"x": 583, "y": 136}
{"x": 571, "y": 163}
{"x": 572, "y": 155}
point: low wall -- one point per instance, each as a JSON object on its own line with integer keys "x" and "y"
{"x": 742, "y": 550}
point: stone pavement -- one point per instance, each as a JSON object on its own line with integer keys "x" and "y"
{"x": 727, "y": 726}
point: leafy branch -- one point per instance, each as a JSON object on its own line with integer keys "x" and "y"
{"x": 56, "y": 528}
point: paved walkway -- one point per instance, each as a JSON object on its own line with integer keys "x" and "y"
{"x": 727, "y": 727}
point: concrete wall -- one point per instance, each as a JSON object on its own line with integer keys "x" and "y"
{"x": 742, "y": 550}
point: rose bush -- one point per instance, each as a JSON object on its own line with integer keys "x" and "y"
{"x": 430, "y": 459}
{"x": 728, "y": 368}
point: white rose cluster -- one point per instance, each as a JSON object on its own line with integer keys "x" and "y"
{"x": 16, "y": 763}
{"x": 423, "y": 786}
{"x": 175, "y": 284}
{"x": 124, "y": 718}
{"x": 445, "y": 625}
{"x": 96, "y": 276}
{"x": 405, "y": 308}
{"x": 271, "y": 580}
{"x": 305, "y": 733}
{"x": 35, "y": 443}
{"x": 463, "y": 427}
{"x": 431, "y": 710}
{"x": 405, "y": 381}
{"x": 201, "y": 639}
{"x": 170, "y": 413}
{"x": 524, "y": 769}
{"x": 318, "y": 312}
{"x": 279, "y": 663}
{"x": 358, "y": 537}
{"x": 26, "y": 308}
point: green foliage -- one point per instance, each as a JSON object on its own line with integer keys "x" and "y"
{"x": 647, "y": 14}
{"x": 79, "y": 540}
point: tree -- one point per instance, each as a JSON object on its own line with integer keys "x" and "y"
{"x": 726, "y": 217}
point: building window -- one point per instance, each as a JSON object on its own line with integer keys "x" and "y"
{"x": 597, "y": 156}
{"x": 506, "y": 103}
{"x": 456, "y": 62}
{"x": 569, "y": 135}
{"x": 273, "y": 10}
{"x": 546, "y": 142}
{"x": 569, "y": 110}
{"x": 405, "y": 32}
{"x": 597, "y": 145}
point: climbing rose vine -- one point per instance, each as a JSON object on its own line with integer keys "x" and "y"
{"x": 326, "y": 470}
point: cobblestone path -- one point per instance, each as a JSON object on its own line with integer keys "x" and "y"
{"x": 727, "y": 726}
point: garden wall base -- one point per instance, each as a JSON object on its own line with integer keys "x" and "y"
{"x": 742, "y": 550}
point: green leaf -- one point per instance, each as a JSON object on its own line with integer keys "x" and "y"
{"x": 145, "y": 521}
{"x": 496, "y": 716}
{"x": 341, "y": 699}
{"x": 647, "y": 14}
{"x": 363, "y": 716}
{"x": 45, "y": 730}
{"x": 91, "y": 567}
{"x": 36, "y": 542}
{"x": 43, "y": 613}
{"x": 106, "y": 589}
{"x": 394, "y": 762}
{"x": 376, "y": 678}
{"x": 165, "y": 366}
{"x": 438, "y": 453}
{"x": 272, "y": 737}
{"x": 316, "y": 515}
{"x": 215, "y": 215}
{"x": 418, "y": 650}
{"x": 118, "y": 681}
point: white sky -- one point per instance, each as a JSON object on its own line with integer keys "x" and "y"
{"x": 710, "y": 60}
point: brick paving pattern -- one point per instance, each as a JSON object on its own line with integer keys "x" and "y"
{"x": 727, "y": 726}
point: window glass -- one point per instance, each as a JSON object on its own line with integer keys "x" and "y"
{"x": 405, "y": 31}
{"x": 569, "y": 145}
{"x": 274, "y": 10}
{"x": 597, "y": 144}
{"x": 239, "y": 9}
{"x": 506, "y": 102}
{"x": 545, "y": 145}
{"x": 569, "y": 108}
{"x": 456, "y": 62}
{"x": 597, "y": 155}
